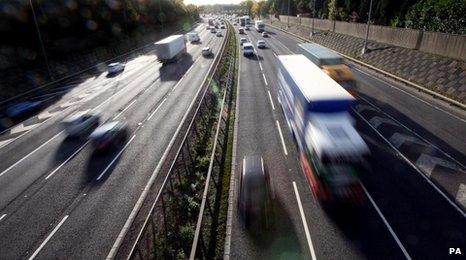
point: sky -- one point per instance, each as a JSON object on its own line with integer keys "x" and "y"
{"x": 210, "y": 2}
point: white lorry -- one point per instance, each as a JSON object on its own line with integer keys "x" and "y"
{"x": 193, "y": 37}
{"x": 170, "y": 48}
{"x": 259, "y": 25}
{"x": 316, "y": 108}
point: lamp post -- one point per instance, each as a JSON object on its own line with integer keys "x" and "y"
{"x": 40, "y": 40}
{"x": 313, "y": 16}
{"x": 364, "y": 48}
{"x": 288, "y": 18}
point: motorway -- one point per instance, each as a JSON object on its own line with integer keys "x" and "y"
{"x": 415, "y": 187}
{"x": 59, "y": 197}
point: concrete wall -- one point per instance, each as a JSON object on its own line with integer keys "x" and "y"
{"x": 449, "y": 45}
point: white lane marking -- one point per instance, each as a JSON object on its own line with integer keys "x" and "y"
{"x": 29, "y": 154}
{"x": 427, "y": 164}
{"x": 413, "y": 96}
{"x": 5, "y": 142}
{"x": 390, "y": 229}
{"x": 67, "y": 160}
{"x": 376, "y": 121}
{"x": 303, "y": 218}
{"x": 271, "y": 101}
{"x": 260, "y": 65}
{"x": 157, "y": 108}
{"x": 281, "y": 137}
{"x": 2, "y": 217}
{"x": 375, "y": 108}
{"x": 116, "y": 157}
{"x": 275, "y": 54}
{"x": 22, "y": 128}
{"x": 45, "y": 115}
{"x": 362, "y": 107}
{"x": 398, "y": 139}
{"x": 452, "y": 203}
{"x": 122, "y": 111}
{"x": 460, "y": 195}
{"x": 48, "y": 238}
{"x": 265, "y": 80}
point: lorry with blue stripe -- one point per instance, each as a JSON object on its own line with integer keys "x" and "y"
{"x": 316, "y": 108}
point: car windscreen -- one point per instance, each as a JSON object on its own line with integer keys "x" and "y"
{"x": 248, "y": 47}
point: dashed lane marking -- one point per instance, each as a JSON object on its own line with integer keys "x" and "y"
{"x": 48, "y": 238}
{"x": 271, "y": 101}
{"x": 2, "y": 217}
{"x": 303, "y": 218}
{"x": 281, "y": 138}
{"x": 116, "y": 157}
{"x": 265, "y": 80}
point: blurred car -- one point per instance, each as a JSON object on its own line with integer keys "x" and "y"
{"x": 261, "y": 44}
{"x": 222, "y": 26}
{"x": 108, "y": 135}
{"x": 241, "y": 30}
{"x": 219, "y": 34}
{"x": 246, "y": 27}
{"x": 235, "y": 24}
{"x": 265, "y": 34}
{"x": 207, "y": 27}
{"x": 115, "y": 67}
{"x": 255, "y": 193}
{"x": 23, "y": 109}
{"x": 212, "y": 30}
{"x": 242, "y": 41}
{"x": 248, "y": 49}
{"x": 81, "y": 124}
{"x": 206, "y": 51}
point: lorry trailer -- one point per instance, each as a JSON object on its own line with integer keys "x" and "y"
{"x": 170, "y": 48}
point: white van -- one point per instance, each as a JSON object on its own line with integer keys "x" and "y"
{"x": 193, "y": 37}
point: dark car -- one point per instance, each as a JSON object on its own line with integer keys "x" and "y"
{"x": 23, "y": 109}
{"x": 109, "y": 135}
{"x": 254, "y": 199}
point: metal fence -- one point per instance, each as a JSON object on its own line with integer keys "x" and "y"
{"x": 173, "y": 220}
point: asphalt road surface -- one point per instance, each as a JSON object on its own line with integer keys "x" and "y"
{"x": 410, "y": 212}
{"x": 58, "y": 197}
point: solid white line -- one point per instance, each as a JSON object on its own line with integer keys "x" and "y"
{"x": 48, "y": 238}
{"x": 153, "y": 113}
{"x": 2, "y": 217}
{"x": 303, "y": 218}
{"x": 412, "y": 131}
{"x": 122, "y": 111}
{"x": 67, "y": 160}
{"x": 403, "y": 249}
{"x": 29, "y": 154}
{"x": 275, "y": 54}
{"x": 414, "y": 167}
{"x": 271, "y": 101}
{"x": 409, "y": 94}
{"x": 116, "y": 157}
{"x": 281, "y": 137}
{"x": 265, "y": 79}
{"x": 260, "y": 65}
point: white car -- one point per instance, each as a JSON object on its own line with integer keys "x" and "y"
{"x": 265, "y": 34}
{"x": 206, "y": 51}
{"x": 219, "y": 34}
{"x": 242, "y": 41}
{"x": 261, "y": 44}
{"x": 248, "y": 49}
{"x": 80, "y": 124}
{"x": 115, "y": 67}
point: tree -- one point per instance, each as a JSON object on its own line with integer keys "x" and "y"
{"x": 333, "y": 10}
